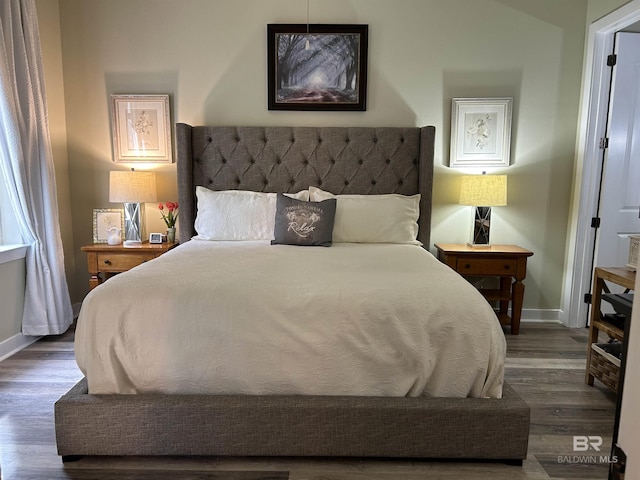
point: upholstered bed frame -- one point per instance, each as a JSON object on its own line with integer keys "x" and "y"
{"x": 340, "y": 160}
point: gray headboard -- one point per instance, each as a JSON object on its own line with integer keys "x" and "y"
{"x": 360, "y": 160}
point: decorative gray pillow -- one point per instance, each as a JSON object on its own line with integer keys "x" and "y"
{"x": 304, "y": 223}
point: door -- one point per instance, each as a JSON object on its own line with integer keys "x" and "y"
{"x": 619, "y": 210}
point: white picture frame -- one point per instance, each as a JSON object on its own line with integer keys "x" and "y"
{"x": 104, "y": 219}
{"x": 480, "y": 132}
{"x": 141, "y": 128}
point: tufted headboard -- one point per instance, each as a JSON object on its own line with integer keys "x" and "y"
{"x": 357, "y": 160}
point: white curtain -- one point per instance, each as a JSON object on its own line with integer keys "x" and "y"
{"x": 27, "y": 167}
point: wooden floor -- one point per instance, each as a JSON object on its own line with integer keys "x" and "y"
{"x": 545, "y": 365}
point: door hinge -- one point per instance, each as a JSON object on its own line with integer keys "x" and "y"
{"x": 611, "y": 60}
{"x": 587, "y": 298}
{"x": 604, "y": 143}
{"x": 595, "y": 222}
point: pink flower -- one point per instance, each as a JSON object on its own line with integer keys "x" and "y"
{"x": 171, "y": 217}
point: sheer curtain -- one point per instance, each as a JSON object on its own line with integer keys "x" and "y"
{"x": 26, "y": 167}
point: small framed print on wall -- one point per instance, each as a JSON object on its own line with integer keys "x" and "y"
{"x": 104, "y": 220}
{"x": 480, "y": 132}
{"x": 141, "y": 128}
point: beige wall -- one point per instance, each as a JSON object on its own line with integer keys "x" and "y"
{"x": 597, "y": 9}
{"x": 210, "y": 56}
{"x": 49, "y": 26}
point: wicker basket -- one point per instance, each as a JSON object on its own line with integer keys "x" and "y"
{"x": 634, "y": 246}
{"x": 605, "y": 367}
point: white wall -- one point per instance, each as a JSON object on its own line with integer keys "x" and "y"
{"x": 210, "y": 55}
{"x": 12, "y": 283}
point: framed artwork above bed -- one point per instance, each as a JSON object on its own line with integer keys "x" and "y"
{"x": 480, "y": 132}
{"x": 141, "y": 128}
{"x": 317, "y": 67}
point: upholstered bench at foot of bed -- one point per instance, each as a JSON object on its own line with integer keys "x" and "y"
{"x": 232, "y": 425}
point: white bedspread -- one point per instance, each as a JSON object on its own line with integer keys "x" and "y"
{"x": 252, "y": 318}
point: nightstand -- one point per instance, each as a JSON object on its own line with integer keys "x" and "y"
{"x": 111, "y": 259}
{"x": 508, "y": 262}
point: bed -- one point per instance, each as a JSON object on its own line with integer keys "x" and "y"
{"x": 391, "y": 413}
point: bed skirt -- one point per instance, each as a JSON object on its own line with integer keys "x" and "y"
{"x": 326, "y": 426}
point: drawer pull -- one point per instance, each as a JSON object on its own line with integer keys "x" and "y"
{"x": 107, "y": 262}
{"x": 467, "y": 265}
{"x": 507, "y": 267}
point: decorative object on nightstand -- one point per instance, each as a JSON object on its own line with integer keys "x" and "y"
{"x": 115, "y": 236}
{"x": 133, "y": 189}
{"x": 170, "y": 219}
{"x": 482, "y": 192}
{"x": 508, "y": 262}
{"x": 104, "y": 220}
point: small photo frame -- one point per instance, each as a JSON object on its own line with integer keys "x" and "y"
{"x": 105, "y": 219}
{"x": 141, "y": 128}
{"x": 480, "y": 132}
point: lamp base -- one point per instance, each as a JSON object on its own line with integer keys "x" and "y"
{"x": 480, "y": 228}
{"x": 131, "y": 243}
{"x": 133, "y": 224}
{"x": 479, "y": 246}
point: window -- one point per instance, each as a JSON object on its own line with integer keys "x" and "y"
{"x": 9, "y": 231}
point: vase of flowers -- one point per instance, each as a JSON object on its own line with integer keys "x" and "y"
{"x": 170, "y": 219}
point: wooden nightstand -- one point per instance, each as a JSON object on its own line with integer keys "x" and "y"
{"x": 111, "y": 259}
{"x": 509, "y": 262}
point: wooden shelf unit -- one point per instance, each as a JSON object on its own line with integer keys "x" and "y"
{"x": 599, "y": 366}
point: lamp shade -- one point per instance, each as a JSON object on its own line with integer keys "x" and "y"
{"x": 132, "y": 187}
{"x": 483, "y": 190}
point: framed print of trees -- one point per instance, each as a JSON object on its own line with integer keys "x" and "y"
{"x": 317, "y": 67}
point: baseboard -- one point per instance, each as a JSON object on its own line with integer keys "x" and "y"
{"x": 14, "y": 344}
{"x": 552, "y": 315}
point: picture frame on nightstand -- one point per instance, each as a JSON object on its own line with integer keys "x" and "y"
{"x": 105, "y": 219}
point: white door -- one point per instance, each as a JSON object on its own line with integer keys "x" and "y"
{"x": 620, "y": 194}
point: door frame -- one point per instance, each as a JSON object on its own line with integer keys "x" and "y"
{"x": 592, "y": 126}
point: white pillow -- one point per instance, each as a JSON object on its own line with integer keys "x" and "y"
{"x": 237, "y": 214}
{"x": 389, "y": 218}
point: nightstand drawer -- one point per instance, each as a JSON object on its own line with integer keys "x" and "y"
{"x": 121, "y": 262}
{"x": 486, "y": 266}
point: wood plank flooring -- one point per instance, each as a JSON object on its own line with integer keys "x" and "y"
{"x": 545, "y": 365}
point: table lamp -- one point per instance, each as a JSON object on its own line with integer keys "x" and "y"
{"x": 133, "y": 189}
{"x": 483, "y": 192}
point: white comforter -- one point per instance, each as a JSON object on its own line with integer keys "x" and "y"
{"x": 252, "y": 318}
